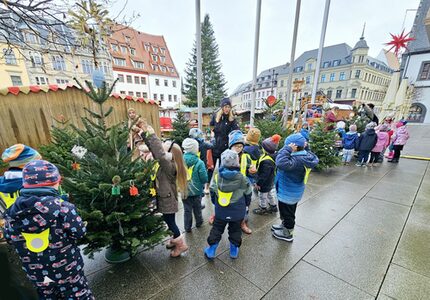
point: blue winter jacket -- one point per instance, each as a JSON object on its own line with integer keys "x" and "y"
{"x": 290, "y": 177}
{"x": 34, "y": 212}
{"x": 350, "y": 141}
{"x": 199, "y": 176}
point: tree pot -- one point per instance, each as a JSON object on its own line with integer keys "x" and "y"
{"x": 116, "y": 256}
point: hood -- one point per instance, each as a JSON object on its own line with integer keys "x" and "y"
{"x": 230, "y": 179}
{"x": 190, "y": 159}
{"x": 351, "y": 135}
{"x": 28, "y": 215}
{"x": 11, "y": 181}
{"x": 402, "y": 129}
{"x": 309, "y": 159}
{"x": 370, "y": 131}
{"x": 253, "y": 150}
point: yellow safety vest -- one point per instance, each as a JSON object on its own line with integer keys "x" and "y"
{"x": 307, "y": 172}
{"x": 243, "y": 163}
{"x": 152, "y": 190}
{"x": 9, "y": 198}
{"x": 190, "y": 173}
{"x": 37, "y": 242}
{"x": 263, "y": 158}
{"x": 224, "y": 198}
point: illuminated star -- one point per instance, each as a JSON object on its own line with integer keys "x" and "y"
{"x": 399, "y": 42}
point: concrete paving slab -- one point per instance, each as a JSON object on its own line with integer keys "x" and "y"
{"x": 214, "y": 280}
{"x": 131, "y": 280}
{"x": 403, "y": 178}
{"x": 357, "y": 178}
{"x": 95, "y": 264}
{"x": 359, "y": 249}
{"x": 401, "y": 283}
{"x": 305, "y": 281}
{"x": 264, "y": 260}
{"x": 393, "y": 192}
{"x": 378, "y": 171}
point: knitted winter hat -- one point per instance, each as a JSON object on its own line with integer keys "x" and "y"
{"x": 18, "y": 155}
{"x": 371, "y": 125}
{"x": 190, "y": 145}
{"x": 353, "y": 128}
{"x": 195, "y": 133}
{"x": 225, "y": 101}
{"x": 235, "y": 137}
{"x": 401, "y": 123}
{"x": 340, "y": 125}
{"x": 229, "y": 159}
{"x": 39, "y": 173}
{"x": 253, "y": 136}
{"x": 297, "y": 139}
{"x": 271, "y": 144}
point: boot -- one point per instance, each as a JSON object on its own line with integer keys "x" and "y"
{"x": 261, "y": 211}
{"x": 180, "y": 246}
{"x": 170, "y": 244}
{"x": 245, "y": 228}
{"x": 273, "y": 208}
{"x": 234, "y": 251}
{"x": 210, "y": 252}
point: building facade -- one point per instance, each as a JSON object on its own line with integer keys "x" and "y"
{"x": 12, "y": 67}
{"x": 144, "y": 67}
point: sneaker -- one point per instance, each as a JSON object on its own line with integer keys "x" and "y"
{"x": 261, "y": 211}
{"x": 273, "y": 208}
{"x": 285, "y": 234}
{"x": 277, "y": 227}
{"x": 358, "y": 164}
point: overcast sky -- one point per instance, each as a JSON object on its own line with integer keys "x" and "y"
{"x": 234, "y": 25}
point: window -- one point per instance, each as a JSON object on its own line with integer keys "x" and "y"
{"x": 122, "y": 92}
{"x": 326, "y": 64}
{"x": 258, "y": 95}
{"x": 361, "y": 59}
{"x": 130, "y": 93}
{"x": 163, "y": 59}
{"x": 41, "y": 80}
{"x": 138, "y": 94}
{"x": 170, "y": 98}
{"x": 163, "y": 50}
{"x": 114, "y": 47}
{"x": 31, "y": 38}
{"x": 16, "y": 80}
{"x": 9, "y": 57}
{"x": 36, "y": 59}
{"x": 87, "y": 66}
{"x": 308, "y": 79}
{"x": 145, "y": 95}
{"x": 357, "y": 73}
{"x": 166, "y": 83}
{"x": 298, "y": 69}
{"x": 282, "y": 82}
{"x": 323, "y": 78}
{"x": 164, "y": 69}
{"x": 175, "y": 98}
{"x": 157, "y": 81}
{"x": 336, "y": 63}
{"x": 342, "y": 76}
{"x": 142, "y": 80}
{"x": 332, "y": 75}
{"x": 58, "y": 63}
{"x": 162, "y": 97}
{"x": 353, "y": 93}
{"x": 123, "y": 49}
{"x": 129, "y": 79}
{"x": 174, "y": 83}
{"x": 155, "y": 49}
{"x": 132, "y": 51}
{"x": 267, "y": 93}
{"x": 155, "y": 96}
{"x": 62, "y": 81}
{"x": 120, "y": 78}
{"x": 172, "y": 70}
{"x": 154, "y": 67}
{"x": 329, "y": 94}
{"x": 138, "y": 64}
{"x": 154, "y": 57}
{"x": 309, "y": 67}
{"x": 425, "y": 71}
{"x": 119, "y": 61}
{"x": 136, "y": 79}
{"x": 127, "y": 39}
{"x": 147, "y": 47}
{"x": 338, "y": 94}
{"x": 104, "y": 67}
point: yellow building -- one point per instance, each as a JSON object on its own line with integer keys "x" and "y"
{"x": 13, "y": 71}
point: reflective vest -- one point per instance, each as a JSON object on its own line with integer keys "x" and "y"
{"x": 37, "y": 242}
{"x": 190, "y": 173}
{"x": 263, "y": 158}
{"x": 307, "y": 172}
{"x": 244, "y": 163}
{"x": 9, "y": 198}
{"x": 152, "y": 190}
{"x": 224, "y": 198}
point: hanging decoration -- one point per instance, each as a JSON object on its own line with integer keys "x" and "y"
{"x": 116, "y": 189}
{"x": 76, "y": 166}
{"x": 79, "y": 151}
{"x": 399, "y": 42}
{"x": 133, "y": 189}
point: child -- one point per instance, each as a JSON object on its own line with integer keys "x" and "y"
{"x": 350, "y": 143}
{"x": 294, "y": 164}
{"x": 253, "y": 150}
{"x": 232, "y": 194}
{"x": 236, "y": 143}
{"x": 340, "y": 130}
{"x": 197, "y": 134}
{"x": 381, "y": 144}
{"x": 44, "y": 230}
{"x": 399, "y": 139}
{"x": 366, "y": 142}
{"x": 197, "y": 178}
{"x": 266, "y": 176}
{"x": 171, "y": 177}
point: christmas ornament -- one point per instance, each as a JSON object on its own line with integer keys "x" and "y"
{"x": 271, "y": 100}
{"x": 79, "y": 151}
{"x": 76, "y": 166}
{"x": 133, "y": 189}
{"x": 399, "y": 42}
{"x": 152, "y": 192}
{"x": 116, "y": 189}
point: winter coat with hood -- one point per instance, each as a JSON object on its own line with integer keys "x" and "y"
{"x": 221, "y": 131}
{"x": 38, "y": 210}
{"x": 203, "y": 149}
{"x": 266, "y": 173}
{"x": 254, "y": 152}
{"x": 231, "y": 180}
{"x": 291, "y": 173}
{"x": 382, "y": 142}
{"x": 350, "y": 140}
{"x": 165, "y": 181}
{"x": 199, "y": 175}
{"x": 367, "y": 140}
{"x": 401, "y": 136}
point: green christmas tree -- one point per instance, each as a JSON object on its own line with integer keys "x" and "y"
{"x": 102, "y": 184}
{"x": 180, "y": 128}
{"x": 271, "y": 123}
{"x": 213, "y": 82}
{"x": 322, "y": 144}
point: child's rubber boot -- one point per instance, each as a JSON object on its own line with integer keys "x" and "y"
{"x": 234, "y": 251}
{"x": 210, "y": 252}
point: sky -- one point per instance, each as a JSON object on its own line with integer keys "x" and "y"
{"x": 234, "y": 25}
